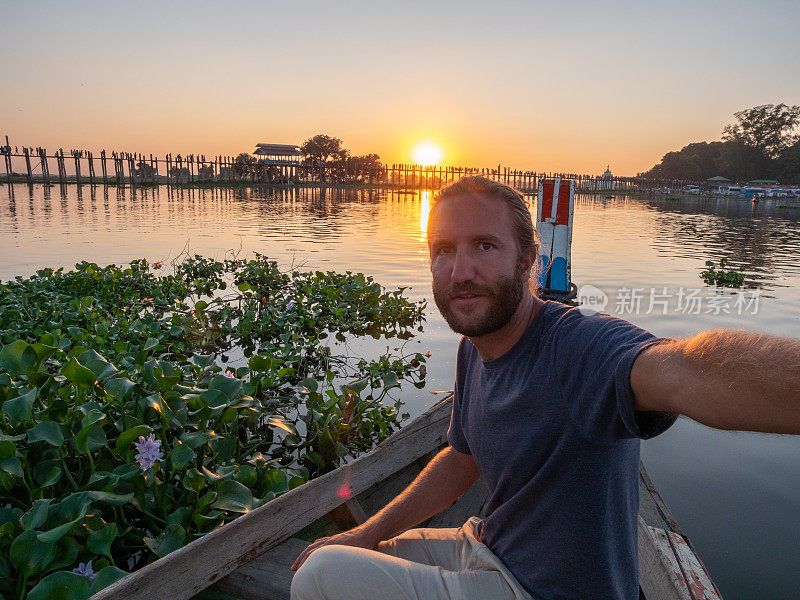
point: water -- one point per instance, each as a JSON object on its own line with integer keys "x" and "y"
{"x": 735, "y": 494}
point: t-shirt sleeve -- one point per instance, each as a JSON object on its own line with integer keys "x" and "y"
{"x": 593, "y": 358}
{"x": 455, "y": 433}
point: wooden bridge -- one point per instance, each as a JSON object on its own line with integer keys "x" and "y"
{"x": 136, "y": 169}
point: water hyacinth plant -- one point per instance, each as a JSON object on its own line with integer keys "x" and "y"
{"x": 139, "y": 411}
{"x": 724, "y": 276}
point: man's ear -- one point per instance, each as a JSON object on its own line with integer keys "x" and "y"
{"x": 528, "y": 260}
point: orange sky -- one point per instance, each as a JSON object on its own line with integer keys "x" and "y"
{"x": 527, "y": 85}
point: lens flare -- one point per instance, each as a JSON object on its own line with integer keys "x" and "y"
{"x": 427, "y": 154}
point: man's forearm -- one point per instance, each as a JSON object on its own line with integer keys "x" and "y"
{"x": 440, "y": 483}
{"x": 732, "y": 379}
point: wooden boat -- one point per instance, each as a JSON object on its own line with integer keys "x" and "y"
{"x": 249, "y": 558}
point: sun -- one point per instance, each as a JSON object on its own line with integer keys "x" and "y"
{"x": 427, "y": 154}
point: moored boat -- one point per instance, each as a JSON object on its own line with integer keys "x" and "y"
{"x": 249, "y": 558}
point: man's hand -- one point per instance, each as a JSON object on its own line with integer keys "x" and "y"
{"x": 440, "y": 483}
{"x": 359, "y": 536}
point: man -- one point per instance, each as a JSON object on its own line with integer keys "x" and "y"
{"x": 549, "y": 408}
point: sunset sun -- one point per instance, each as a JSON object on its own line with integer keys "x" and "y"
{"x": 427, "y": 154}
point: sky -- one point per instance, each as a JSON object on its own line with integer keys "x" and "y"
{"x": 546, "y": 86}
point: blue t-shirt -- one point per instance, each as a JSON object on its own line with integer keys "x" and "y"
{"x": 553, "y": 431}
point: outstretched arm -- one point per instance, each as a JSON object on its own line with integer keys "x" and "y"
{"x": 440, "y": 483}
{"x": 723, "y": 378}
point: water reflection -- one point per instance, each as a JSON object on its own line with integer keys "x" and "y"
{"x": 424, "y": 209}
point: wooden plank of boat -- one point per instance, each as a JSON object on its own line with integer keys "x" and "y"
{"x": 669, "y": 568}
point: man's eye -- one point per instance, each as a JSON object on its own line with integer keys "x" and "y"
{"x": 443, "y": 250}
{"x": 485, "y": 245}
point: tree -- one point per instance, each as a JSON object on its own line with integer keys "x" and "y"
{"x": 788, "y": 164}
{"x": 740, "y": 162}
{"x": 768, "y": 127}
{"x": 205, "y": 172}
{"x": 244, "y": 165}
{"x": 145, "y": 170}
{"x": 322, "y": 147}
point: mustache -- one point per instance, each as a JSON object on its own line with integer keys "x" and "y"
{"x": 458, "y": 289}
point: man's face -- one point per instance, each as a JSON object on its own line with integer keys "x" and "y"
{"x": 478, "y": 277}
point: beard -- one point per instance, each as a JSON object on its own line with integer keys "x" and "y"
{"x": 504, "y": 298}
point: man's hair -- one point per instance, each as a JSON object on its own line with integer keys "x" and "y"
{"x": 475, "y": 185}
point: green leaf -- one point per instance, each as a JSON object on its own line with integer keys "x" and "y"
{"x": 7, "y": 449}
{"x": 214, "y": 399}
{"x": 181, "y": 455}
{"x": 181, "y": 516}
{"x": 282, "y": 423}
{"x": 105, "y": 577}
{"x": 36, "y": 514}
{"x": 100, "y": 541}
{"x": 316, "y": 458}
{"x": 150, "y": 344}
{"x": 109, "y": 498}
{"x": 29, "y": 555}
{"x": 43, "y": 351}
{"x": 90, "y": 438}
{"x": 20, "y": 409}
{"x": 172, "y": 538}
{"x": 275, "y": 481}
{"x": 227, "y": 385}
{"x": 360, "y": 385}
{"x": 119, "y": 387}
{"x": 18, "y": 358}
{"x": 203, "y": 360}
{"x": 47, "y": 472}
{"x": 389, "y": 379}
{"x": 60, "y": 586}
{"x": 53, "y": 535}
{"x": 195, "y": 439}
{"x": 76, "y": 373}
{"x": 46, "y": 431}
{"x": 92, "y": 417}
{"x": 194, "y": 480}
{"x": 11, "y": 465}
{"x": 234, "y": 497}
{"x": 129, "y": 435}
{"x": 260, "y": 363}
{"x": 66, "y": 553}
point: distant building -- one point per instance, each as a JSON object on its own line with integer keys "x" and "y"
{"x": 719, "y": 183}
{"x": 279, "y": 154}
{"x": 606, "y": 180}
{"x": 279, "y": 163}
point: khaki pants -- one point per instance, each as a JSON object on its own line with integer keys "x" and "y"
{"x": 420, "y": 564}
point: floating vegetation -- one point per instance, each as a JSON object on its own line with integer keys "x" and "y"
{"x": 723, "y": 277}
{"x": 126, "y": 431}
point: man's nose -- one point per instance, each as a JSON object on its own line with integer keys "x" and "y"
{"x": 463, "y": 267}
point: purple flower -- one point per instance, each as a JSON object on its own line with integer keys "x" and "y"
{"x": 149, "y": 451}
{"x": 230, "y": 374}
{"x": 85, "y": 570}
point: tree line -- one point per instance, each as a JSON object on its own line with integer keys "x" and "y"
{"x": 762, "y": 143}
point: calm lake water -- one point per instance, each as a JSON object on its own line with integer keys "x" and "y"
{"x": 735, "y": 494}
